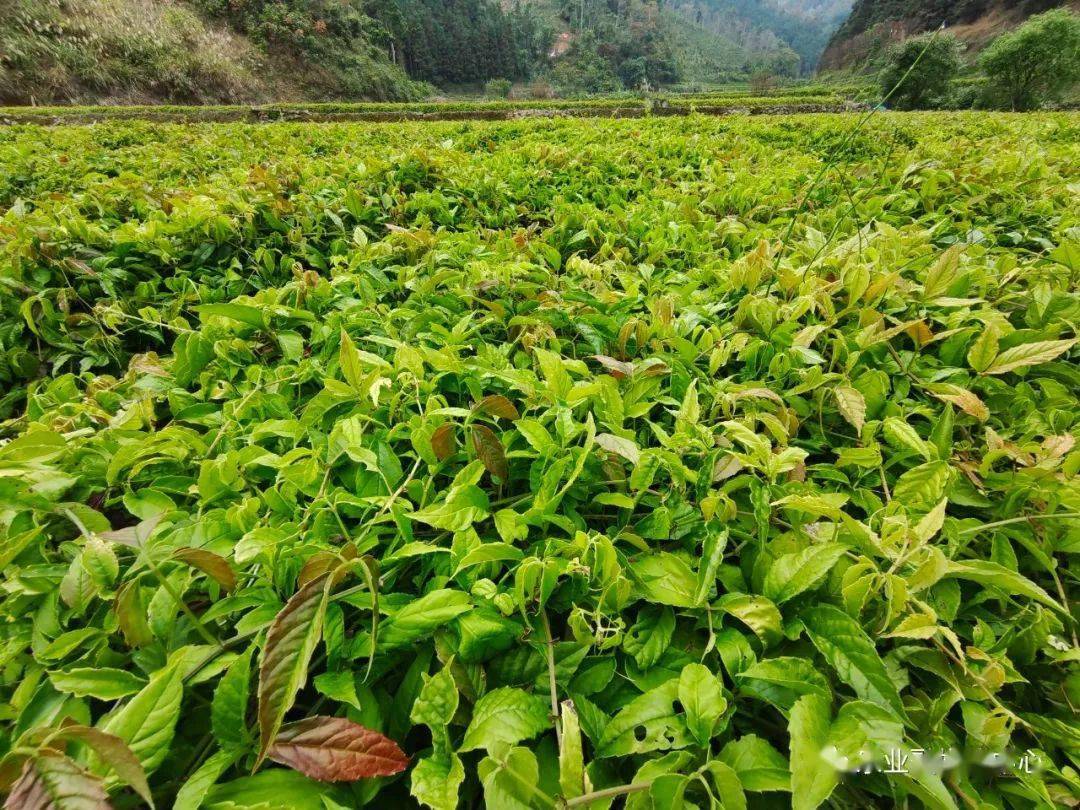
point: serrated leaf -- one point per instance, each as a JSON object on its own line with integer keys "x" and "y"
{"x": 701, "y": 695}
{"x": 793, "y": 574}
{"x": 987, "y": 572}
{"x": 572, "y": 779}
{"x": 334, "y": 749}
{"x": 505, "y": 716}
{"x": 813, "y": 778}
{"x": 760, "y": 766}
{"x": 852, "y": 406}
{"x": 283, "y": 664}
{"x": 147, "y": 722}
{"x": 54, "y": 782}
{"x": 923, "y": 485}
{"x": 228, "y": 709}
{"x": 1028, "y": 354}
{"x": 490, "y": 451}
{"x": 198, "y": 785}
{"x": 436, "y": 781}
{"x": 497, "y": 405}
{"x": 115, "y": 753}
{"x": 852, "y": 655}
{"x": 103, "y": 683}
{"x": 662, "y": 728}
{"x": 213, "y": 565}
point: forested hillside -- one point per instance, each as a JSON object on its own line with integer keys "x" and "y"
{"x": 260, "y": 50}
{"x": 793, "y": 33}
{"x": 873, "y": 24}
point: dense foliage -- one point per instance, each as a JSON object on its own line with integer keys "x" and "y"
{"x": 693, "y": 461}
{"x": 1037, "y": 63}
{"x": 919, "y": 71}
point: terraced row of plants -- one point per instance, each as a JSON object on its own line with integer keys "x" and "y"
{"x": 664, "y": 463}
{"x": 618, "y": 106}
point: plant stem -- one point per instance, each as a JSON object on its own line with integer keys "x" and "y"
{"x": 607, "y": 793}
{"x": 551, "y": 675}
{"x": 1024, "y": 519}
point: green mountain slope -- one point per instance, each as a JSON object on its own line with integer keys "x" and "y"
{"x": 874, "y": 24}
{"x": 206, "y": 51}
{"x": 771, "y": 26}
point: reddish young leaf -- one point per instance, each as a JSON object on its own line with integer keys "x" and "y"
{"x": 291, "y": 640}
{"x": 497, "y": 405}
{"x": 115, "y": 753}
{"x": 443, "y": 441}
{"x": 131, "y": 615}
{"x": 52, "y": 781}
{"x": 618, "y": 368}
{"x": 213, "y": 565}
{"x": 333, "y": 749}
{"x": 490, "y": 451}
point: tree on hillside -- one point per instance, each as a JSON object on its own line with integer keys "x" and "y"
{"x": 922, "y": 67}
{"x": 1037, "y": 63}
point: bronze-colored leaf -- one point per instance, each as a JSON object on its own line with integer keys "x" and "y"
{"x": 324, "y": 562}
{"x": 618, "y": 368}
{"x": 490, "y": 451}
{"x": 131, "y": 615}
{"x": 443, "y": 442}
{"x": 52, "y": 781}
{"x": 213, "y": 565}
{"x": 115, "y": 753}
{"x": 333, "y": 749}
{"x": 291, "y": 640}
{"x": 497, "y": 405}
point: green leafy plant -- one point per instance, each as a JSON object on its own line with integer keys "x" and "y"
{"x": 918, "y": 71}
{"x": 1036, "y": 64}
{"x": 669, "y": 462}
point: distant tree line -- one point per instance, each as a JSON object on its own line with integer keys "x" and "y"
{"x": 1036, "y": 65}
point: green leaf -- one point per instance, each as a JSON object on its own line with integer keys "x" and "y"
{"x": 237, "y": 312}
{"x": 852, "y": 406}
{"x": 650, "y": 636}
{"x": 793, "y": 574}
{"x": 436, "y": 705}
{"x": 789, "y": 672}
{"x": 572, "y": 779}
{"x": 760, "y": 767}
{"x": 850, "y": 652}
{"x": 654, "y": 711}
{"x": 436, "y": 781}
{"x": 984, "y": 349}
{"x": 813, "y": 778}
{"x": 422, "y": 617}
{"x": 992, "y": 574}
{"x": 922, "y": 486}
{"x": 102, "y": 683}
{"x": 702, "y": 697}
{"x": 505, "y": 716}
{"x": 756, "y": 612}
{"x": 147, "y": 722}
{"x": 511, "y": 779}
{"x": 352, "y": 367}
{"x": 228, "y": 710}
{"x": 666, "y": 579}
{"x": 1028, "y": 354}
{"x": 193, "y": 792}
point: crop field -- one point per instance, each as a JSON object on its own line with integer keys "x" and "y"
{"x": 677, "y": 462}
{"x": 791, "y": 100}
